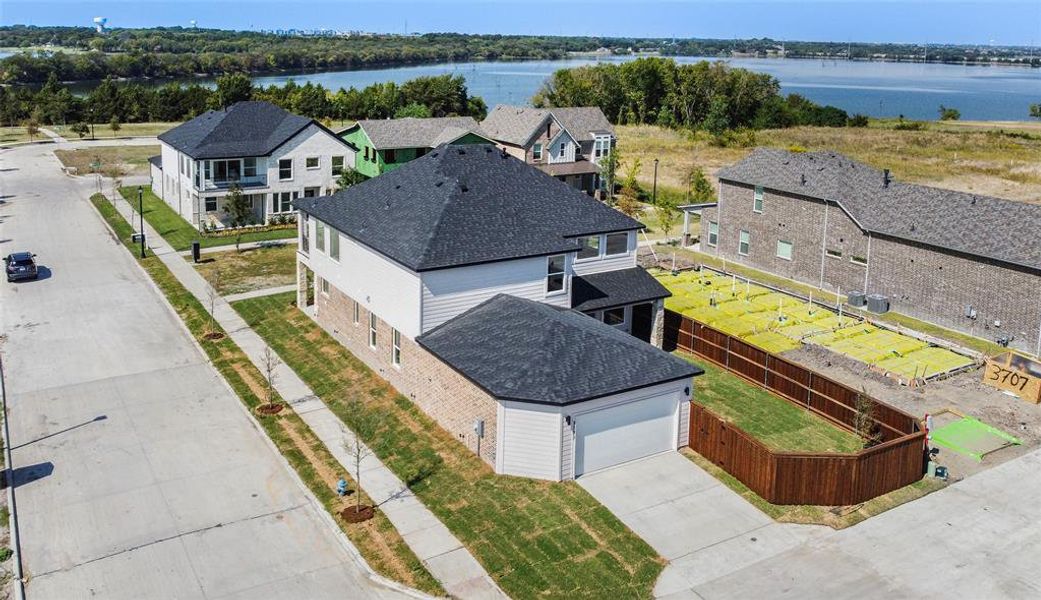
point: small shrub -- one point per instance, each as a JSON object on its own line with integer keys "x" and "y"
{"x": 903, "y": 125}
{"x": 5, "y": 553}
{"x": 796, "y": 148}
{"x": 858, "y": 120}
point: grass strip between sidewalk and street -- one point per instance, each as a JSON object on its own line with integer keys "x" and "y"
{"x": 377, "y": 540}
{"x": 179, "y": 233}
{"x": 537, "y": 539}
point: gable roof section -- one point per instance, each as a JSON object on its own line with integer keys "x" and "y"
{"x": 243, "y": 129}
{"x": 514, "y": 125}
{"x": 528, "y": 351}
{"x": 465, "y": 204}
{"x": 410, "y": 132}
{"x": 583, "y": 121}
{"x": 971, "y": 224}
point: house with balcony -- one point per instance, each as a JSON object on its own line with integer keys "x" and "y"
{"x": 270, "y": 154}
{"x": 506, "y": 304}
{"x": 567, "y": 143}
{"x": 385, "y": 144}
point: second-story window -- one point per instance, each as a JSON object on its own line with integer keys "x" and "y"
{"x": 590, "y": 247}
{"x": 312, "y": 162}
{"x": 536, "y": 152}
{"x": 757, "y": 199}
{"x": 334, "y": 244}
{"x": 617, "y": 243}
{"x": 563, "y": 146}
{"x": 285, "y": 169}
{"x": 249, "y": 167}
{"x": 305, "y": 233}
{"x": 555, "y": 274}
{"x": 319, "y": 236}
{"x": 337, "y": 165}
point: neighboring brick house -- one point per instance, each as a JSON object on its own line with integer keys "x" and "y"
{"x": 273, "y": 155}
{"x": 455, "y": 277}
{"x": 385, "y": 144}
{"x": 567, "y": 143}
{"x": 964, "y": 261}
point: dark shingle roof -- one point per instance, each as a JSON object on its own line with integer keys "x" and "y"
{"x": 615, "y": 288}
{"x": 242, "y": 129}
{"x": 417, "y": 133}
{"x": 156, "y": 161}
{"x": 967, "y": 223}
{"x": 465, "y": 204}
{"x": 582, "y": 121}
{"x": 518, "y": 349}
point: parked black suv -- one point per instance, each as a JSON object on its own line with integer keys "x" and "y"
{"x": 20, "y": 265}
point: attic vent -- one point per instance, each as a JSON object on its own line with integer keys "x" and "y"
{"x": 438, "y": 184}
{"x": 802, "y": 178}
{"x": 464, "y": 188}
{"x": 460, "y": 151}
{"x": 504, "y": 153}
{"x": 397, "y": 187}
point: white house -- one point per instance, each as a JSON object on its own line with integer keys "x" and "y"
{"x": 506, "y": 304}
{"x": 274, "y": 156}
{"x": 568, "y": 143}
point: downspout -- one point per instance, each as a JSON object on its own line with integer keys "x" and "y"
{"x": 824, "y": 244}
{"x": 719, "y": 217}
{"x": 867, "y": 267}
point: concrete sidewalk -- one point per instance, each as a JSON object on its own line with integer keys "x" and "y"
{"x": 259, "y": 293}
{"x": 442, "y": 553}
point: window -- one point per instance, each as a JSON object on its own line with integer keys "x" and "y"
{"x": 834, "y": 253}
{"x": 744, "y": 242}
{"x": 858, "y": 260}
{"x": 282, "y": 202}
{"x": 536, "y": 152}
{"x": 563, "y": 145}
{"x": 757, "y": 199}
{"x": 555, "y": 274}
{"x": 305, "y": 234}
{"x": 372, "y": 330}
{"x": 325, "y": 286}
{"x": 195, "y": 174}
{"x": 211, "y": 204}
{"x": 713, "y": 233}
{"x": 312, "y": 162}
{"x": 312, "y": 192}
{"x": 395, "y": 352}
{"x": 784, "y": 250}
{"x": 615, "y": 316}
{"x": 337, "y": 165}
{"x": 590, "y": 247}
{"x": 334, "y": 244}
{"x": 206, "y": 171}
{"x": 390, "y": 156}
{"x": 249, "y": 167}
{"x": 285, "y": 169}
{"x": 319, "y": 236}
{"x": 227, "y": 170}
{"x": 357, "y": 310}
{"x": 617, "y": 243}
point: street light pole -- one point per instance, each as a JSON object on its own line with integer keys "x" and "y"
{"x": 141, "y": 211}
{"x": 654, "y": 193}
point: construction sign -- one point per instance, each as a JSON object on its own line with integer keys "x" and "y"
{"x": 1014, "y": 373}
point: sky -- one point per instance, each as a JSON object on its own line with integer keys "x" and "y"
{"x": 1003, "y": 22}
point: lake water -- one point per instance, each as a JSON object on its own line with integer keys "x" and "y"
{"x": 872, "y": 88}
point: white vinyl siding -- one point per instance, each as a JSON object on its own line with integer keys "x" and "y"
{"x": 529, "y": 440}
{"x": 449, "y": 292}
{"x": 561, "y": 149}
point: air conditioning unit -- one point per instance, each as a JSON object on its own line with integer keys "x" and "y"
{"x": 857, "y": 299}
{"x": 877, "y": 303}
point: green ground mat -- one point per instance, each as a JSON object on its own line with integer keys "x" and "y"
{"x": 972, "y": 437}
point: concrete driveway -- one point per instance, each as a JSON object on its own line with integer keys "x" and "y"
{"x": 703, "y": 528}
{"x": 138, "y": 474}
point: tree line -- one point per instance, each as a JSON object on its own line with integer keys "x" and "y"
{"x": 113, "y": 102}
{"x": 709, "y": 96}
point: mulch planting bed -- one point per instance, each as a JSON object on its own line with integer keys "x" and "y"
{"x": 353, "y": 514}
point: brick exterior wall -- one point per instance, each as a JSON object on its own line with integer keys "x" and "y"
{"x": 926, "y": 283}
{"x": 441, "y": 392}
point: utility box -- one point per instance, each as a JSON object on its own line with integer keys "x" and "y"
{"x": 877, "y": 303}
{"x": 196, "y": 251}
{"x": 856, "y": 299}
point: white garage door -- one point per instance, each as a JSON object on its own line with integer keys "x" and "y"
{"x": 615, "y": 435}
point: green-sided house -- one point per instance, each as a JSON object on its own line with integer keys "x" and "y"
{"x": 385, "y": 144}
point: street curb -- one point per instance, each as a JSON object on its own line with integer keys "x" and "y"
{"x": 18, "y": 581}
{"x": 341, "y": 537}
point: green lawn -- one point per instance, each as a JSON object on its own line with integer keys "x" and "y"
{"x": 11, "y": 135}
{"x": 104, "y": 130}
{"x": 377, "y": 540}
{"x": 537, "y": 539}
{"x": 234, "y": 272}
{"x": 779, "y": 424}
{"x": 132, "y": 159}
{"x": 180, "y": 233}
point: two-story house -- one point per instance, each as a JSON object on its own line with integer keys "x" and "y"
{"x": 385, "y": 144}
{"x": 504, "y": 303}
{"x": 272, "y": 155}
{"x": 567, "y": 143}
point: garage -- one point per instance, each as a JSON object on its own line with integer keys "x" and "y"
{"x": 619, "y": 434}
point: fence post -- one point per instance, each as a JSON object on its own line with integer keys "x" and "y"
{"x": 809, "y": 389}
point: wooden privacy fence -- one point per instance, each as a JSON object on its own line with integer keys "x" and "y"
{"x": 794, "y": 477}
